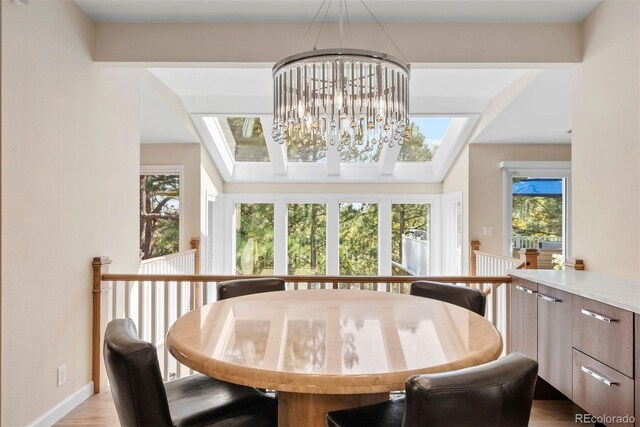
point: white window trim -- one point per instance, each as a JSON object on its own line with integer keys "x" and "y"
{"x": 542, "y": 169}
{"x": 332, "y": 201}
{"x": 171, "y": 170}
{"x": 449, "y": 235}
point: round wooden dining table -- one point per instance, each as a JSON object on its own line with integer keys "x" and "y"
{"x": 324, "y": 350}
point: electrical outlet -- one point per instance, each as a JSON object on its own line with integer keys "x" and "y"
{"x": 62, "y": 375}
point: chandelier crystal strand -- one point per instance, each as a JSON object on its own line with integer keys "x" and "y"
{"x": 350, "y": 98}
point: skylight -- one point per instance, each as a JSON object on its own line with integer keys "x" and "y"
{"x": 306, "y": 151}
{"x": 248, "y": 143}
{"x": 361, "y": 153}
{"x": 244, "y": 152}
{"x": 426, "y": 136}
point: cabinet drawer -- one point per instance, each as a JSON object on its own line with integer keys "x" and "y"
{"x": 600, "y": 390}
{"x": 524, "y": 318}
{"x": 555, "y": 355}
{"x": 604, "y": 333}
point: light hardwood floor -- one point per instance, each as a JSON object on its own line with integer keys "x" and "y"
{"x": 98, "y": 410}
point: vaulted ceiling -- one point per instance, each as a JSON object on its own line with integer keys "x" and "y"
{"x": 483, "y": 103}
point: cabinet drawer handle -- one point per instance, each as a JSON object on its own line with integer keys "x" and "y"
{"x": 600, "y": 317}
{"x": 548, "y": 299}
{"x": 529, "y": 291}
{"x": 597, "y": 376}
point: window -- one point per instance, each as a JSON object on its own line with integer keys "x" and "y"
{"x": 427, "y": 134}
{"x": 307, "y": 238}
{"x": 537, "y": 209}
{"x": 248, "y": 143}
{"x": 359, "y": 239}
{"x": 410, "y": 239}
{"x": 537, "y": 218}
{"x": 332, "y": 234}
{"x": 159, "y": 212}
{"x": 254, "y": 238}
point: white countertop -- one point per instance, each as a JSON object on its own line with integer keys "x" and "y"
{"x": 617, "y": 292}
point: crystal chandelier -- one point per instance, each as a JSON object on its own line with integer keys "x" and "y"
{"x": 350, "y": 99}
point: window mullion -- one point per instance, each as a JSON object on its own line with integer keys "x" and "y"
{"x": 333, "y": 237}
{"x": 384, "y": 237}
{"x": 280, "y": 237}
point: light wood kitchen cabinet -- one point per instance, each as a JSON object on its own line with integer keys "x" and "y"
{"x": 554, "y": 338}
{"x": 604, "y": 332}
{"x": 524, "y": 318}
{"x": 601, "y": 390}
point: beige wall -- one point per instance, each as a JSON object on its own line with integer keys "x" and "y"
{"x": 606, "y": 142}
{"x": 457, "y": 179}
{"x": 339, "y": 188}
{"x": 188, "y": 156}
{"x": 486, "y": 186}
{"x": 256, "y": 42}
{"x": 69, "y": 158}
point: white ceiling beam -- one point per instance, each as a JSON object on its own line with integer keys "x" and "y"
{"x": 144, "y": 44}
{"x": 453, "y": 141}
{"x": 277, "y": 152}
{"x": 389, "y": 158}
{"x": 173, "y": 101}
{"x": 261, "y": 172}
{"x": 501, "y": 101}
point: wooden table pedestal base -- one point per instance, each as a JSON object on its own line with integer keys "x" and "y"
{"x": 309, "y": 410}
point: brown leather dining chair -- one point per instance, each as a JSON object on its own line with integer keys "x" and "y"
{"x": 240, "y": 287}
{"x": 498, "y": 393}
{"x": 141, "y": 399}
{"x": 469, "y": 298}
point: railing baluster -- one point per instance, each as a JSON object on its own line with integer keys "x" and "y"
{"x": 154, "y": 313}
{"x": 141, "y": 310}
{"x": 114, "y": 300}
{"x": 178, "y": 314}
{"x": 494, "y": 304}
{"x": 192, "y": 296}
{"x": 127, "y": 299}
{"x": 165, "y": 327}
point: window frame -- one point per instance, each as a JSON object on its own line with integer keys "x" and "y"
{"x": 169, "y": 170}
{"x": 332, "y": 202}
{"x": 537, "y": 169}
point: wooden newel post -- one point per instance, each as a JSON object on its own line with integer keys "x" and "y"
{"x": 474, "y": 246}
{"x": 574, "y": 264}
{"x": 530, "y": 258}
{"x": 195, "y": 244}
{"x": 100, "y": 317}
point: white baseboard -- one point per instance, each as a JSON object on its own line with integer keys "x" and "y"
{"x": 63, "y": 408}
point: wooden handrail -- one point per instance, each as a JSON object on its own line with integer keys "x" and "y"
{"x": 302, "y": 279}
